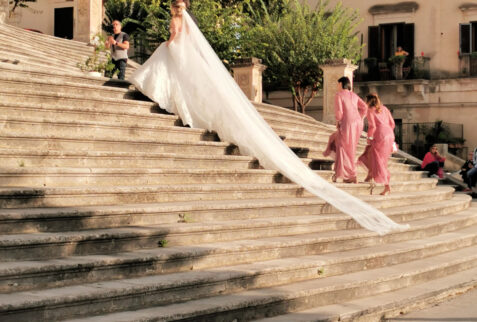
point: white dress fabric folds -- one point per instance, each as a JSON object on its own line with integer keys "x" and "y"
{"x": 188, "y": 79}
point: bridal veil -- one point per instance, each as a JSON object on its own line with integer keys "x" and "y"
{"x": 188, "y": 79}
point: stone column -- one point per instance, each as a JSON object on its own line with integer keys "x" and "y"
{"x": 3, "y": 10}
{"x": 248, "y": 75}
{"x": 88, "y": 17}
{"x": 333, "y": 70}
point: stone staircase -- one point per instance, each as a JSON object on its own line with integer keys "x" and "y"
{"x": 111, "y": 210}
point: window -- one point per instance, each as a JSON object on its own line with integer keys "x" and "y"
{"x": 468, "y": 37}
{"x": 384, "y": 39}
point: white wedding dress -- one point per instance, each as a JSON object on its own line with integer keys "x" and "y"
{"x": 188, "y": 79}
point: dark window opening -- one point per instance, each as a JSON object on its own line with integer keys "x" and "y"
{"x": 64, "y": 23}
{"x": 383, "y": 40}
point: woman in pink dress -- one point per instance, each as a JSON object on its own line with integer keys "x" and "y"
{"x": 349, "y": 113}
{"x": 380, "y": 143}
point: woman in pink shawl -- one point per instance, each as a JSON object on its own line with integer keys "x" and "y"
{"x": 433, "y": 163}
{"x": 380, "y": 143}
{"x": 349, "y": 113}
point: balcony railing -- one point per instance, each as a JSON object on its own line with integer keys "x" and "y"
{"x": 468, "y": 64}
{"x": 370, "y": 69}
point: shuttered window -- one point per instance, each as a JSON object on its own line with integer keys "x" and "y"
{"x": 465, "y": 38}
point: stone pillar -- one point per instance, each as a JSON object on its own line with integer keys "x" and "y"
{"x": 3, "y": 10}
{"x": 88, "y": 17}
{"x": 248, "y": 75}
{"x": 333, "y": 70}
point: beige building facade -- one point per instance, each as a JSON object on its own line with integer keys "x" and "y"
{"x": 71, "y": 19}
{"x": 440, "y": 34}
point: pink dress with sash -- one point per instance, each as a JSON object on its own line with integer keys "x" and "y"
{"x": 349, "y": 111}
{"x": 375, "y": 157}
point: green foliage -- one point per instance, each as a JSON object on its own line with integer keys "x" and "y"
{"x": 131, "y": 14}
{"x": 100, "y": 60}
{"x": 221, "y": 26}
{"x": 162, "y": 243}
{"x": 295, "y": 40}
{"x": 397, "y": 59}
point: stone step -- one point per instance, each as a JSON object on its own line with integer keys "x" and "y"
{"x": 389, "y": 305}
{"x": 47, "y": 245}
{"x": 27, "y": 158}
{"x": 24, "y": 59}
{"x": 116, "y": 296}
{"x": 47, "y": 40}
{"x": 16, "y": 126}
{"x": 14, "y": 84}
{"x": 67, "y": 57}
{"x": 103, "y": 177}
{"x": 274, "y": 109}
{"x": 153, "y": 145}
{"x": 114, "y": 114}
{"x": 25, "y": 220}
{"x": 90, "y": 196}
{"x": 98, "y": 159}
{"x": 27, "y": 275}
{"x": 276, "y": 300}
{"x": 60, "y": 99}
{"x": 75, "y": 177}
{"x": 31, "y": 72}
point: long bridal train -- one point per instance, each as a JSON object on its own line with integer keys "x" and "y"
{"x": 187, "y": 78}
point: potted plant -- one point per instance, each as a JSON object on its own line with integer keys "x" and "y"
{"x": 372, "y": 66}
{"x": 398, "y": 62}
{"x": 100, "y": 61}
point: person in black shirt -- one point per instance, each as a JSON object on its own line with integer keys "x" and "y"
{"x": 119, "y": 44}
{"x": 469, "y": 164}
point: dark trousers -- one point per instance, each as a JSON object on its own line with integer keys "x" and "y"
{"x": 471, "y": 177}
{"x": 433, "y": 167}
{"x": 120, "y": 65}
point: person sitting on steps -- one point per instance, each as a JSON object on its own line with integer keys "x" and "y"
{"x": 433, "y": 163}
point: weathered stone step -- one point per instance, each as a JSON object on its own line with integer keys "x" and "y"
{"x": 30, "y": 50}
{"x": 101, "y": 159}
{"x": 116, "y": 295}
{"x": 13, "y": 84}
{"x": 22, "y": 59}
{"x": 114, "y": 114}
{"x": 274, "y": 109}
{"x": 104, "y": 130}
{"x": 104, "y": 241}
{"x": 48, "y": 75}
{"x": 153, "y": 145}
{"x": 89, "y": 196}
{"x": 47, "y": 40}
{"x": 386, "y": 306}
{"x": 18, "y": 276}
{"x": 103, "y": 177}
{"x": 95, "y": 217}
{"x": 59, "y": 100}
{"x": 66, "y": 177}
{"x": 275, "y": 300}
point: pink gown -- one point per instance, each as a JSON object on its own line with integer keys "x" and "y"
{"x": 349, "y": 111}
{"x": 375, "y": 157}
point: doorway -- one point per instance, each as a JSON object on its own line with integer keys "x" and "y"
{"x": 64, "y": 22}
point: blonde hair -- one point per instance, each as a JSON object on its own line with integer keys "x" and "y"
{"x": 372, "y": 99}
{"x": 177, "y": 8}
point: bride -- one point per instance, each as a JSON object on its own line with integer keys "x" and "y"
{"x": 185, "y": 77}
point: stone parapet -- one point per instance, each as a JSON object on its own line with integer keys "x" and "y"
{"x": 248, "y": 75}
{"x": 3, "y": 10}
{"x": 333, "y": 70}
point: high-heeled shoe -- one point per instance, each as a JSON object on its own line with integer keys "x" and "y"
{"x": 350, "y": 180}
{"x": 372, "y": 185}
{"x": 386, "y": 191}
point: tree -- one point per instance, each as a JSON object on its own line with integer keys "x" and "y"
{"x": 19, "y": 4}
{"x": 295, "y": 40}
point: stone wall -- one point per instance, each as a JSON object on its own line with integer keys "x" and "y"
{"x": 3, "y": 10}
